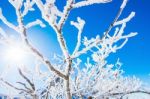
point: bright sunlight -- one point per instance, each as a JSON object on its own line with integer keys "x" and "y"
{"x": 15, "y": 54}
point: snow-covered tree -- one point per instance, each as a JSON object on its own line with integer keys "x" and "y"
{"x": 65, "y": 79}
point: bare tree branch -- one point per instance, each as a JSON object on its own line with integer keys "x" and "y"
{"x": 89, "y": 2}
{"x": 28, "y": 80}
{"x": 67, "y": 76}
{"x": 11, "y": 85}
{"x": 66, "y": 12}
{"x": 128, "y": 93}
{"x": 25, "y": 86}
{"x": 116, "y": 18}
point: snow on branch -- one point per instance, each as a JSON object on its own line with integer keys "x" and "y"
{"x": 40, "y": 5}
{"x": 25, "y": 88}
{"x": 132, "y": 14}
{"x": 123, "y": 4}
{"x": 101, "y": 80}
{"x": 89, "y": 2}
{"x": 27, "y": 79}
{"x": 79, "y": 25}
{"x": 37, "y": 22}
{"x": 116, "y": 18}
{"x": 11, "y": 85}
{"x": 119, "y": 47}
{"x": 88, "y": 46}
{"x": 17, "y": 4}
{"x": 94, "y": 42}
{"x": 21, "y": 29}
{"x": 49, "y": 11}
{"x": 28, "y": 6}
{"x": 65, "y": 15}
{"x": 129, "y": 35}
{"x": 68, "y": 76}
{"x": 6, "y": 21}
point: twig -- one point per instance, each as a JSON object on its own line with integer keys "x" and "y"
{"x": 116, "y": 18}
{"x": 28, "y": 80}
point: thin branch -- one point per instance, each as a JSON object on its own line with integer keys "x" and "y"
{"x": 40, "y": 5}
{"x": 32, "y": 49}
{"x": 125, "y": 20}
{"x": 58, "y": 30}
{"x": 45, "y": 16}
{"x": 62, "y": 44}
{"x": 11, "y": 85}
{"x": 5, "y": 21}
{"x": 25, "y": 86}
{"x": 22, "y": 31}
{"x": 44, "y": 60}
{"x": 28, "y": 80}
{"x": 34, "y": 23}
{"x": 28, "y": 7}
{"x": 130, "y": 92}
{"x": 65, "y": 15}
{"x": 84, "y": 50}
{"x": 116, "y": 18}
{"x": 79, "y": 25}
{"x": 89, "y": 2}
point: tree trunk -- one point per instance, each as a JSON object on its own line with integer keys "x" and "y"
{"x": 69, "y": 96}
{"x": 35, "y": 97}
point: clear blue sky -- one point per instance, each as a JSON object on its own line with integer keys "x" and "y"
{"x": 135, "y": 56}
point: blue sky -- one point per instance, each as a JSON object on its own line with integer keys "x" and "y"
{"x": 135, "y": 56}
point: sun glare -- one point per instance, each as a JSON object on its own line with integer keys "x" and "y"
{"x": 15, "y": 54}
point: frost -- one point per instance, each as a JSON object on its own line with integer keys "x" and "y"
{"x": 28, "y": 7}
{"x": 68, "y": 75}
{"x": 37, "y": 22}
{"x": 124, "y": 4}
{"x": 89, "y": 2}
{"x": 126, "y": 19}
{"x": 16, "y": 3}
{"x": 79, "y": 25}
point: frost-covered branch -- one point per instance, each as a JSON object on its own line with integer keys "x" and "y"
{"x": 79, "y": 25}
{"x": 50, "y": 13}
{"x": 28, "y": 7}
{"x": 23, "y": 84}
{"x": 27, "y": 80}
{"x": 21, "y": 29}
{"x": 130, "y": 92}
{"x": 89, "y": 2}
{"x": 5, "y": 21}
{"x": 132, "y": 14}
{"x": 65, "y": 15}
{"x": 89, "y": 44}
{"x": 29, "y": 91}
{"x": 69, "y": 76}
{"x": 87, "y": 48}
{"x": 87, "y": 80}
{"x": 37, "y": 22}
{"x": 116, "y": 18}
{"x": 33, "y": 50}
{"x": 11, "y": 85}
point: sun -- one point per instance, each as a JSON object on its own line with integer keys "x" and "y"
{"x": 15, "y": 54}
